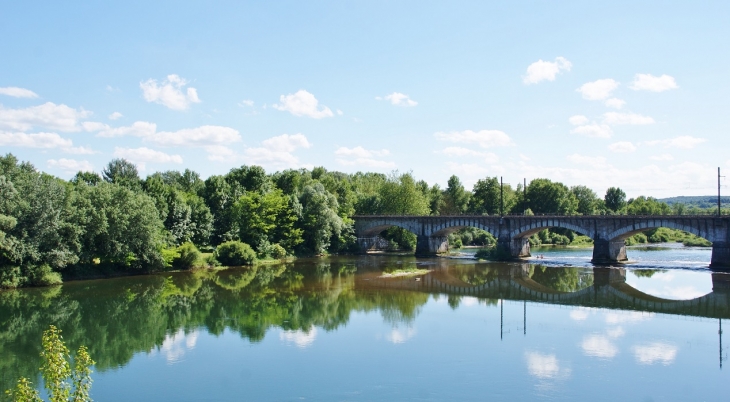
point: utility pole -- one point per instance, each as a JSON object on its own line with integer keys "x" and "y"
{"x": 501, "y": 197}
{"x": 719, "y": 211}
{"x": 524, "y": 195}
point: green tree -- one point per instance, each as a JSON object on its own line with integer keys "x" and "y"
{"x": 587, "y": 200}
{"x": 123, "y": 173}
{"x": 61, "y": 381}
{"x": 547, "y": 197}
{"x": 319, "y": 219}
{"x": 456, "y": 198}
{"x": 486, "y": 197}
{"x": 219, "y": 197}
{"x": 235, "y": 253}
{"x": 615, "y": 199}
{"x": 399, "y": 195}
{"x": 265, "y": 218}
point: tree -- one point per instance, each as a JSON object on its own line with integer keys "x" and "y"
{"x": 123, "y": 173}
{"x": 58, "y": 376}
{"x": 486, "y": 197}
{"x": 615, "y": 199}
{"x": 319, "y": 220}
{"x": 400, "y": 195}
{"x": 248, "y": 178}
{"x": 218, "y": 196}
{"x": 587, "y": 200}
{"x": 118, "y": 226}
{"x": 266, "y": 218}
{"x": 88, "y": 178}
{"x": 456, "y": 198}
{"x": 547, "y": 197}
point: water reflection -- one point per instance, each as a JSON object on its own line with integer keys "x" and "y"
{"x": 166, "y": 315}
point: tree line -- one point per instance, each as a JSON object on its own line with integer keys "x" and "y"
{"x": 117, "y": 222}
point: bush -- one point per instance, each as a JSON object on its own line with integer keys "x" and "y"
{"x": 277, "y": 252}
{"x": 188, "y": 257}
{"x": 211, "y": 261}
{"x": 44, "y": 276}
{"x": 494, "y": 254}
{"x": 234, "y": 253}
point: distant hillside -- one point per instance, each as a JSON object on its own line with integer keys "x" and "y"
{"x": 701, "y": 201}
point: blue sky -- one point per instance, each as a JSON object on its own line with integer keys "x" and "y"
{"x": 622, "y": 94}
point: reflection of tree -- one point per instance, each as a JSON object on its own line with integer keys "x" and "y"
{"x": 117, "y": 318}
{"x": 562, "y": 279}
{"x": 647, "y": 273}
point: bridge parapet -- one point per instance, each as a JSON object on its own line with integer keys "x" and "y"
{"x": 512, "y": 231}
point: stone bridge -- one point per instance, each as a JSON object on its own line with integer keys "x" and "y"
{"x": 512, "y": 232}
{"x": 609, "y": 290}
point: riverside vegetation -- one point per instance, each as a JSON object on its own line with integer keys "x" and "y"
{"x": 117, "y": 223}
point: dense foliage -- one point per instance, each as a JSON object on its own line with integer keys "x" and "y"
{"x": 97, "y": 225}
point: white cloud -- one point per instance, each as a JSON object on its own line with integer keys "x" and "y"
{"x": 137, "y": 129}
{"x": 195, "y": 137}
{"x": 598, "y": 346}
{"x": 485, "y": 138}
{"x": 18, "y": 92}
{"x": 303, "y": 103}
{"x": 593, "y": 161}
{"x": 359, "y": 156}
{"x": 299, "y": 338}
{"x": 599, "y": 89}
{"x": 545, "y": 70}
{"x": 174, "y": 346}
{"x": 578, "y": 120}
{"x": 398, "y": 99}
{"x": 683, "y": 142}
{"x": 115, "y": 116}
{"x": 276, "y": 152}
{"x": 544, "y": 366}
{"x": 169, "y": 92}
{"x": 489, "y": 157}
{"x": 246, "y": 103}
{"x": 662, "y": 157}
{"x": 142, "y": 156}
{"x": 340, "y": 112}
{"x": 48, "y": 115}
{"x": 220, "y": 153}
{"x": 656, "y": 352}
{"x": 622, "y": 147}
{"x": 579, "y": 314}
{"x": 79, "y": 150}
{"x": 648, "y": 82}
{"x": 626, "y": 118}
{"x": 38, "y": 140}
{"x": 616, "y": 332}
{"x": 70, "y": 165}
{"x": 615, "y": 103}
{"x": 286, "y": 142}
{"x": 594, "y": 130}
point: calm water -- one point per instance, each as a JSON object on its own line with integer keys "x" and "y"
{"x": 338, "y": 329}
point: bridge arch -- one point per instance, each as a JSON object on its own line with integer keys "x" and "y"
{"x": 448, "y": 227}
{"x": 638, "y": 227}
{"x": 534, "y": 227}
{"x": 376, "y": 227}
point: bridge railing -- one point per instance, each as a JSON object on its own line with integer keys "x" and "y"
{"x": 607, "y": 216}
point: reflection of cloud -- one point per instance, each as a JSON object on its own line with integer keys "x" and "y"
{"x": 579, "y": 314}
{"x": 616, "y": 332}
{"x": 599, "y": 346}
{"x": 544, "y": 366}
{"x": 397, "y": 335}
{"x": 469, "y": 301}
{"x": 655, "y": 352}
{"x": 174, "y": 346}
{"x": 299, "y": 338}
{"x": 634, "y": 316}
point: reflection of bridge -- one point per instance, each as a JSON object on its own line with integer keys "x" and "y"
{"x": 512, "y": 232}
{"x": 609, "y": 290}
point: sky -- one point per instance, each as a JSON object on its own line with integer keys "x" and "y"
{"x": 628, "y": 94}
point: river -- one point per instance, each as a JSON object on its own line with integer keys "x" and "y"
{"x": 354, "y": 328}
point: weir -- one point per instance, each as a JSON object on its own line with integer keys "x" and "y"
{"x": 512, "y": 232}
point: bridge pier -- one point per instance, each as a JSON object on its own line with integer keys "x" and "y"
{"x": 608, "y": 276}
{"x": 720, "y": 255}
{"x": 609, "y": 251}
{"x": 514, "y": 248}
{"x": 431, "y": 245}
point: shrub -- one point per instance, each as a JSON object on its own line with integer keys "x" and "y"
{"x": 211, "y": 261}
{"x": 277, "y": 252}
{"x": 44, "y": 276}
{"x": 188, "y": 256}
{"x": 234, "y": 253}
